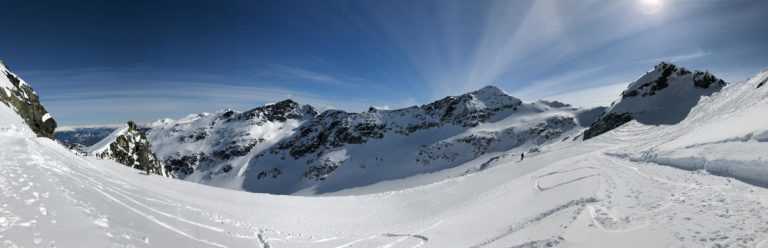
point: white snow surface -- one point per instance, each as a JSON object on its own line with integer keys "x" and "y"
{"x": 608, "y": 191}
{"x": 11, "y": 123}
{"x": 46, "y": 116}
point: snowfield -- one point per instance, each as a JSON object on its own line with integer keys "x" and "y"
{"x": 576, "y": 195}
{"x": 635, "y": 186}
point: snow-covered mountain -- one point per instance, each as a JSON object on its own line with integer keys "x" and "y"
{"x": 129, "y": 146}
{"x": 621, "y": 188}
{"x": 286, "y": 147}
{"x": 339, "y": 150}
{"x": 22, "y": 99}
{"x": 664, "y": 95}
{"x": 725, "y": 134}
{"x": 202, "y": 146}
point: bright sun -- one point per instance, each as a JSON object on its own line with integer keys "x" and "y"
{"x": 651, "y": 6}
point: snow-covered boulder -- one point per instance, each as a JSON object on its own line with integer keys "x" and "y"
{"x": 663, "y": 96}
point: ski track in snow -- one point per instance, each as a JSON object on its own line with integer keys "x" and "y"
{"x": 591, "y": 197}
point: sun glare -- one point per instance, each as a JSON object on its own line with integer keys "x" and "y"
{"x": 651, "y": 7}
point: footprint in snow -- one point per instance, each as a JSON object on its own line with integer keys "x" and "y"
{"x": 43, "y": 211}
{"x": 102, "y": 222}
{"x": 37, "y": 240}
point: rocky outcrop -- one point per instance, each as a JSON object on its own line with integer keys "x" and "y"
{"x": 18, "y": 95}
{"x": 131, "y": 148}
{"x": 663, "y": 96}
{"x": 607, "y": 122}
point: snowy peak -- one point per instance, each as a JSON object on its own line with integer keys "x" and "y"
{"x": 666, "y": 73}
{"x": 489, "y": 93}
{"x": 281, "y": 111}
{"x": 472, "y": 108}
{"x": 664, "y": 95}
{"x": 19, "y": 96}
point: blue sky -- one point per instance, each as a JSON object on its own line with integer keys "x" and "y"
{"x": 99, "y": 62}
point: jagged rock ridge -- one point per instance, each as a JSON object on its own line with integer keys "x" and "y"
{"x": 130, "y": 147}
{"x": 664, "y": 95}
{"x": 19, "y": 96}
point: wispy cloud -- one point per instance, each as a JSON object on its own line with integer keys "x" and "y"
{"x": 178, "y": 99}
{"x": 555, "y": 85}
{"x": 303, "y": 74}
{"x": 693, "y": 54}
{"x": 504, "y": 43}
{"x": 104, "y": 95}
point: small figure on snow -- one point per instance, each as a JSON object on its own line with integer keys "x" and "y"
{"x": 522, "y": 156}
{"x": 147, "y": 168}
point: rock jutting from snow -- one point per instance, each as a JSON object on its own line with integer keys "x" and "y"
{"x": 663, "y": 96}
{"x": 130, "y": 147}
{"x": 18, "y": 95}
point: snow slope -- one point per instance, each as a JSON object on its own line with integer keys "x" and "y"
{"x": 576, "y": 196}
{"x": 726, "y": 134}
{"x": 603, "y": 192}
{"x": 663, "y": 96}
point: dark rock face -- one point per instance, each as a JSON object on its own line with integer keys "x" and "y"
{"x": 330, "y": 129}
{"x": 183, "y": 165}
{"x": 762, "y": 83}
{"x": 606, "y": 123}
{"x": 704, "y": 80}
{"x": 25, "y": 101}
{"x": 132, "y": 149}
{"x": 660, "y": 83}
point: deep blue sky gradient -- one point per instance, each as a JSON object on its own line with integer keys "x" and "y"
{"x": 99, "y": 62}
